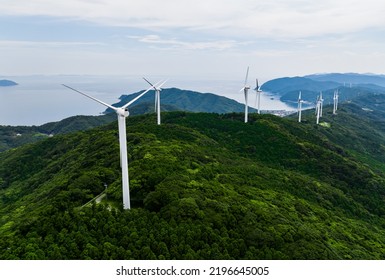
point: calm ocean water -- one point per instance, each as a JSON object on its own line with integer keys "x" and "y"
{"x": 41, "y": 99}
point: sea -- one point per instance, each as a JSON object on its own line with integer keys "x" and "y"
{"x": 40, "y": 99}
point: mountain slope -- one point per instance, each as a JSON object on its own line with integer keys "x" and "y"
{"x": 345, "y": 94}
{"x": 203, "y": 186}
{"x": 15, "y": 136}
{"x": 350, "y": 78}
{"x": 350, "y": 86}
{"x": 190, "y": 101}
{"x": 284, "y": 85}
{"x": 364, "y": 138}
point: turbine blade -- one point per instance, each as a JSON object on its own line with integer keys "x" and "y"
{"x": 162, "y": 83}
{"x": 247, "y": 75}
{"x": 149, "y": 82}
{"x": 156, "y": 101}
{"x": 93, "y": 98}
{"x": 136, "y": 98}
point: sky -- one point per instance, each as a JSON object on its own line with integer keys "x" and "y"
{"x": 193, "y": 39}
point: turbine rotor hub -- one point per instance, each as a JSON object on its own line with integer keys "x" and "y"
{"x": 122, "y": 112}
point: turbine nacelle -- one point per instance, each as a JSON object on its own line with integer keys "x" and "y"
{"x": 257, "y": 87}
{"x": 157, "y": 86}
{"x": 123, "y": 112}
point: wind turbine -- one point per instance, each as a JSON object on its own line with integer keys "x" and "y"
{"x": 300, "y": 101}
{"x": 157, "y": 97}
{"x": 122, "y": 113}
{"x": 321, "y": 104}
{"x": 245, "y": 89}
{"x": 258, "y": 92}
{"x": 318, "y": 108}
{"x": 335, "y": 99}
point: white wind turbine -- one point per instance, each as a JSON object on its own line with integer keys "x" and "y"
{"x": 337, "y": 96}
{"x": 300, "y": 101}
{"x": 321, "y": 104}
{"x": 335, "y": 103}
{"x": 258, "y": 91}
{"x": 318, "y": 108}
{"x": 157, "y": 97}
{"x": 122, "y": 113}
{"x": 245, "y": 89}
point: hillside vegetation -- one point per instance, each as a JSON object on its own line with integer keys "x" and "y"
{"x": 203, "y": 186}
{"x": 15, "y": 136}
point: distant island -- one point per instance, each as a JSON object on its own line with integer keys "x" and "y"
{"x": 7, "y": 83}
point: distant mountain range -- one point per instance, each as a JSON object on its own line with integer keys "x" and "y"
{"x": 350, "y": 85}
{"x": 350, "y": 78}
{"x": 7, "y": 83}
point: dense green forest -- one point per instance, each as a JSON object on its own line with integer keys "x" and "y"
{"x": 15, "y": 136}
{"x": 203, "y": 186}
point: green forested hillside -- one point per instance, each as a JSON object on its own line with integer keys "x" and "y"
{"x": 203, "y": 186}
{"x": 187, "y": 100}
{"x": 15, "y": 136}
{"x": 358, "y": 127}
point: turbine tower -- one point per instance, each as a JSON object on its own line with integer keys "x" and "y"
{"x": 321, "y": 104}
{"x": 157, "y": 97}
{"x": 258, "y": 91}
{"x": 245, "y": 89}
{"x": 337, "y": 96}
{"x": 122, "y": 113}
{"x": 335, "y": 103}
{"x": 318, "y": 108}
{"x": 300, "y": 101}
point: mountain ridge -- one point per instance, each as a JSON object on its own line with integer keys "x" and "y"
{"x": 187, "y": 100}
{"x": 350, "y": 85}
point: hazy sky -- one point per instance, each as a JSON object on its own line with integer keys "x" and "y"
{"x": 192, "y": 38}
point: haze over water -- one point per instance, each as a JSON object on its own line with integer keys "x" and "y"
{"x": 41, "y": 99}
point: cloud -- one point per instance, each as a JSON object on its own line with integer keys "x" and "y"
{"x": 279, "y": 18}
{"x": 156, "y": 40}
{"x": 226, "y": 35}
